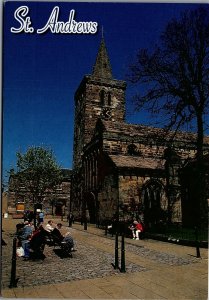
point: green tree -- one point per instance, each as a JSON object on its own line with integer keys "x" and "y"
{"x": 37, "y": 173}
{"x": 173, "y": 79}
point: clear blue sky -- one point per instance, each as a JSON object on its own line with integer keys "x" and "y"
{"x": 42, "y": 72}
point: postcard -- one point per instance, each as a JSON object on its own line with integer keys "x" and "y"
{"x": 105, "y": 150}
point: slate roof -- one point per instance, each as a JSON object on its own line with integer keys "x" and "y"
{"x": 125, "y": 161}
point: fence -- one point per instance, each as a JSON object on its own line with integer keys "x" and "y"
{"x": 177, "y": 233}
{"x": 170, "y": 233}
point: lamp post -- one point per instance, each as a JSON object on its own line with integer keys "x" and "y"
{"x": 13, "y": 279}
{"x": 84, "y": 216}
{"x": 116, "y": 264}
{"x": 197, "y": 243}
{"x": 123, "y": 264}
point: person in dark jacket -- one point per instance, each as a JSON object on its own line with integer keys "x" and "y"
{"x": 67, "y": 238}
{"x": 37, "y": 243}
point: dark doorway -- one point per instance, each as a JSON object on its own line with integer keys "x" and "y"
{"x": 90, "y": 199}
{"x": 152, "y": 193}
{"x": 58, "y": 210}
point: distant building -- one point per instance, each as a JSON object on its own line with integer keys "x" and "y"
{"x": 133, "y": 169}
{"x": 55, "y": 202}
{"x": 4, "y": 202}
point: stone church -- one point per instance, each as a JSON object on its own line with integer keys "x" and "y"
{"x": 133, "y": 170}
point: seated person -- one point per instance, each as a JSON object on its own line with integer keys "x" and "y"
{"x": 37, "y": 243}
{"x": 26, "y": 231}
{"x": 24, "y": 237}
{"x": 66, "y": 238}
{"x": 19, "y": 232}
{"x": 26, "y": 247}
{"x": 138, "y": 229}
{"x": 132, "y": 228}
{"x": 49, "y": 227}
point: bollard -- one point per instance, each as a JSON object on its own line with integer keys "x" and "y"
{"x": 116, "y": 265}
{"x": 197, "y": 243}
{"x": 13, "y": 280}
{"x": 106, "y": 229}
{"x": 85, "y": 224}
{"x": 123, "y": 264}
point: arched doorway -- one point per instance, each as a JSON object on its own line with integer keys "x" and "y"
{"x": 151, "y": 198}
{"x": 59, "y": 207}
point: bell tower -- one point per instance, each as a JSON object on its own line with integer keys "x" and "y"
{"x": 98, "y": 96}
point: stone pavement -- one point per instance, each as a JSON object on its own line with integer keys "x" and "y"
{"x": 154, "y": 270}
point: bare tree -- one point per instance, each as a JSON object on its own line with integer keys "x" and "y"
{"x": 174, "y": 78}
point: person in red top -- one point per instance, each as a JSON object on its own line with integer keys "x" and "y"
{"x": 138, "y": 229}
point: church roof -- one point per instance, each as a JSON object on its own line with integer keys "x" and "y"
{"x": 102, "y": 67}
{"x": 142, "y": 130}
{"x": 123, "y": 161}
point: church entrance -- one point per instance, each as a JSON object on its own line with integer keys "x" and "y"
{"x": 151, "y": 197}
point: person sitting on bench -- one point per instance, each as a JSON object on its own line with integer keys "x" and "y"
{"x": 37, "y": 243}
{"x": 67, "y": 238}
{"x": 49, "y": 227}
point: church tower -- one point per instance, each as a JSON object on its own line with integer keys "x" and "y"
{"x": 98, "y": 96}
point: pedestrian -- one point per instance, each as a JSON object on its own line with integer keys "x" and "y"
{"x": 70, "y": 219}
{"x": 41, "y": 217}
{"x": 30, "y": 216}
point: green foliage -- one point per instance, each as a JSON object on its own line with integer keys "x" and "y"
{"x": 37, "y": 172}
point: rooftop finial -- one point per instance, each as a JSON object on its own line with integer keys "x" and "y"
{"x": 102, "y": 32}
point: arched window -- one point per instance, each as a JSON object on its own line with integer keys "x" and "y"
{"x": 102, "y": 96}
{"x": 132, "y": 149}
{"x": 154, "y": 203}
{"x": 109, "y": 99}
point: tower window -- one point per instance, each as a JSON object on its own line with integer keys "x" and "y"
{"x": 109, "y": 99}
{"x": 132, "y": 150}
{"x": 102, "y": 97}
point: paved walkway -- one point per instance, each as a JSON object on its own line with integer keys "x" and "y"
{"x": 154, "y": 270}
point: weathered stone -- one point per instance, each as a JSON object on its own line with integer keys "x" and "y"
{"x": 121, "y": 167}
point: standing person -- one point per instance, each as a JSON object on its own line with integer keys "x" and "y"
{"x": 41, "y": 217}
{"x": 30, "y": 216}
{"x": 26, "y": 213}
{"x": 70, "y": 219}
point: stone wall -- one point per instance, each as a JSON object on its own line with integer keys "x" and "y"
{"x": 88, "y": 108}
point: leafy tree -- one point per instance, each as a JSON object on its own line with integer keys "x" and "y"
{"x": 37, "y": 173}
{"x": 174, "y": 78}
